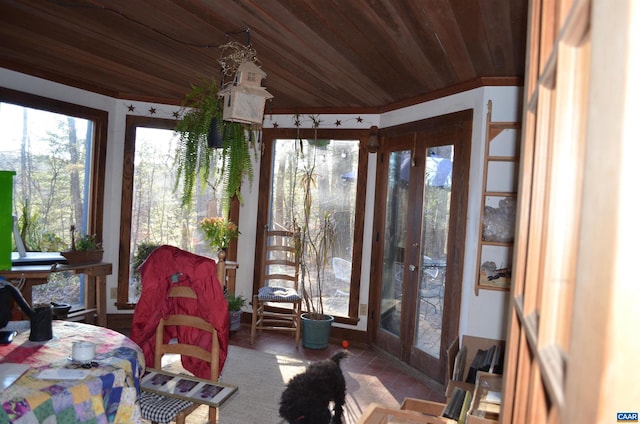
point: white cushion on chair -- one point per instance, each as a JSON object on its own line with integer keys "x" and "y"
{"x": 282, "y": 294}
{"x": 161, "y": 409}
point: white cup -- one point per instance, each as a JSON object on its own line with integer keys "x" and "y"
{"x": 83, "y": 351}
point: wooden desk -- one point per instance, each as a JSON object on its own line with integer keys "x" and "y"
{"x": 95, "y": 285}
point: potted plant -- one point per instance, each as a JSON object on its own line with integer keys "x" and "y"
{"x": 84, "y": 249}
{"x": 143, "y": 251}
{"x": 317, "y": 241}
{"x": 218, "y": 232}
{"x": 236, "y": 302}
{"x": 210, "y": 150}
{"x": 316, "y": 248}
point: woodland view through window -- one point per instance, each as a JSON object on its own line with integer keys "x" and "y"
{"x": 333, "y": 167}
{"x": 155, "y": 215}
{"x": 51, "y": 154}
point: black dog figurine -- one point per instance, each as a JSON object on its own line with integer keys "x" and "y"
{"x": 306, "y": 397}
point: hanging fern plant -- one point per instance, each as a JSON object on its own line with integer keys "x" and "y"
{"x": 193, "y": 156}
{"x": 197, "y": 160}
{"x": 236, "y": 159}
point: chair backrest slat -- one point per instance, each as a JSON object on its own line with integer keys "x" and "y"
{"x": 282, "y": 259}
{"x": 182, "y": 348}
{"x": 182, "y": 291}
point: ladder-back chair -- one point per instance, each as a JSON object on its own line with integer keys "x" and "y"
{"x": 279, "y": 286}
{"x": 163, "y": 409}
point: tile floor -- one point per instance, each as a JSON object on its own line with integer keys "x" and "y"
{"x": 371, "y": 375}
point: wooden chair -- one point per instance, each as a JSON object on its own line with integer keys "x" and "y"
{"x": 280, "y": 269}
{"x": 158, "y": 408}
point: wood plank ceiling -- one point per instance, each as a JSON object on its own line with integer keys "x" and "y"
{"x": 318, "y": 54}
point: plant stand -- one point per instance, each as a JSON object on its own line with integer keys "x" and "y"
{"x": 315, "y": 332}
{"x": 220, "y": 267}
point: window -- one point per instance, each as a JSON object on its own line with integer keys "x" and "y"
{"x": 57, "y": 151}
{"x": 336, "y": 164}
{"x": 151, "y": 213}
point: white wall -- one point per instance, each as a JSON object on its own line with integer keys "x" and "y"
{"x": 482, "y": 315}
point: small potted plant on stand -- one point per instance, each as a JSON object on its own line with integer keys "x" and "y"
{"x": 218, "y": 232}
{"x": 84, "y": 249}
{"x": 235, "y": 310}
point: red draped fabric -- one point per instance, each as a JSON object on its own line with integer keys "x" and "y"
{"x": 167, "y": 266}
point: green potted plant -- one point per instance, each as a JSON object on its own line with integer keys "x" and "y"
{"x": 210, "y": 150}
{"x": 317, "y": 241}
{"x": 316, "y": 253}
{"x": 236, "y": 302}
{"x": 143, "y": 251}
{"x": 84, "y": 249}
{"x": 218, "y": 232}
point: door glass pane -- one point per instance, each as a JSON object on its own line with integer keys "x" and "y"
{"x": 394, "y": 241}
{"x": 435, "y": 227}
{"x": 334, "y": 171}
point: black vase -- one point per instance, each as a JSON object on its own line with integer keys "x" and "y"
{"x": 41, "y": 324}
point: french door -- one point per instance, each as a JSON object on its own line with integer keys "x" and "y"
{"x": 421, "y": 228}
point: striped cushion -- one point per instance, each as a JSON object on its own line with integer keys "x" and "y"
{"x": 161, "y": 409}
{"x": 281, "y": 294}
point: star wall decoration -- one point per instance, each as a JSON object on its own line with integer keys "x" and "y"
{"x": 316, "y": 121}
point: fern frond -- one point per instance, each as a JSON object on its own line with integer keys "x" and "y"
{"x": 193, "y": 156}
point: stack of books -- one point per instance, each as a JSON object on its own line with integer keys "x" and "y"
{"x": 489, "y": 360}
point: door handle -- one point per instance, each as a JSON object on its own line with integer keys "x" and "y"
{"x": 412, "y": 268}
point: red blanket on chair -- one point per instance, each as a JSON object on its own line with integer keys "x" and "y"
{"x": 168, "y": 265}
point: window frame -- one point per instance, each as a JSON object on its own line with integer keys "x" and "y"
{"x": 269, "y": 135}
{"x": 124, "y": 254}
{"x": 128, "y": 168}
{"x": 100, "y": 119}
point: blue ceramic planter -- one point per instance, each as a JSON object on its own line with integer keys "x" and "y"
{"x": 315, "y": 333}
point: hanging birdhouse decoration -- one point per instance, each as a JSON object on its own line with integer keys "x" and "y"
{"x": 244, "y": 97}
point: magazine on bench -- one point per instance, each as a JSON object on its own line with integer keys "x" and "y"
{"x": 187, "y": 387}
